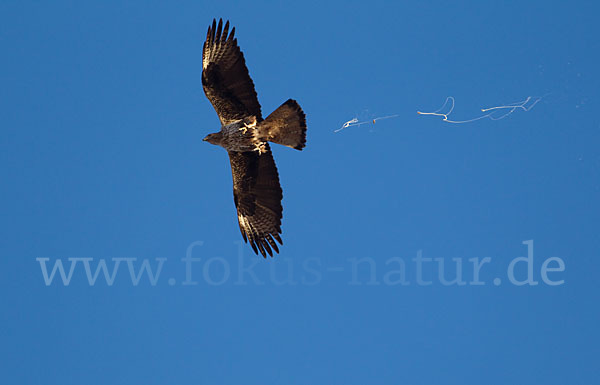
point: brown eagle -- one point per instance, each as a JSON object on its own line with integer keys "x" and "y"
{"x": 245, "y": 135}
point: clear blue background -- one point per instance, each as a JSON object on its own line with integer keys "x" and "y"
{"x": 102, "y": 116}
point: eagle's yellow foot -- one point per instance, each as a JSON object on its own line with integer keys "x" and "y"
{"x": 244, "y": 129}
{"x": 260, "y": 148}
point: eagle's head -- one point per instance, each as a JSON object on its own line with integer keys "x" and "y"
{"x": 214, "y": 138}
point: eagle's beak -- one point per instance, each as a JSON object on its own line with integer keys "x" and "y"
{"x": 204, "y": 139}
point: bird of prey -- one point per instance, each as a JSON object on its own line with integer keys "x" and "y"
{"x": 245, "y": 135}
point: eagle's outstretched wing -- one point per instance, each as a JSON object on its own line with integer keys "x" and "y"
{"x": 257, "y": 196}
{"x": 225, "y": 78}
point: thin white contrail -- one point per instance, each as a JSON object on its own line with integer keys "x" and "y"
{"x": 511, "y": 107}
{"x": 524, "y": 105}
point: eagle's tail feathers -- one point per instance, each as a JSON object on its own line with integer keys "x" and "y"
{"x": 286, "y": 125}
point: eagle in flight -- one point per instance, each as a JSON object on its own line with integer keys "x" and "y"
{"x": 245, "y": 135}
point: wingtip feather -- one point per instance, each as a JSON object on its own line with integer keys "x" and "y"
{"x": 225, "y": 32}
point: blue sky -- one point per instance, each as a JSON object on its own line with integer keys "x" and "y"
{"x": 102, "y": 117}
